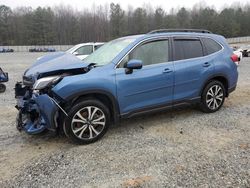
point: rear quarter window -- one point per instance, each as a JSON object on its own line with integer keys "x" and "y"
{"x": 211, "y": 46}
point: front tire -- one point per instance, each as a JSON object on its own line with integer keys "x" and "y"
{"x": 212, "y": 97}
{"x": 87, "y": 122}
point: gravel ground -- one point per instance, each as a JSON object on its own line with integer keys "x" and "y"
{"x": 178, "y": 148}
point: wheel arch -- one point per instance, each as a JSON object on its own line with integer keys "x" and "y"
{"x": 220, "y": 77}
{"x": 105, "y": 97}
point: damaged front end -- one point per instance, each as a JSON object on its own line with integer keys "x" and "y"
{"x": 37, "y": 112}
{"x": 39, "y": 107}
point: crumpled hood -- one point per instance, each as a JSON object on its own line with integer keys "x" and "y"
{"x": 54, "y": 62}
{"x": 48, "y": 56}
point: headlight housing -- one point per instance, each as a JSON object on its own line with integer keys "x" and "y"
{"x": 45, "y": 82}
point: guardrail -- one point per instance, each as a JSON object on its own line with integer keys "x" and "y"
{"x": 26, "y": 48}
{"x": 238, "y": 40}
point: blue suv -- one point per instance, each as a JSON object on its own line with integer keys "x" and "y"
{"x": 127, "y": 76}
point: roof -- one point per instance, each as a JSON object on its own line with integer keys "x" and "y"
{"x": 90, "y": 43}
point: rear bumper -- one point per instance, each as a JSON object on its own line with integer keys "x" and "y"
{"x": 231, "y": 89}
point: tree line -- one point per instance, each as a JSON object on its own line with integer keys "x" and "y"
{"x": 63, "y": 25}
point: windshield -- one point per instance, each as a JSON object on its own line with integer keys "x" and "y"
{"x": 71, "y": 49}
{"x": 108, "y": 51}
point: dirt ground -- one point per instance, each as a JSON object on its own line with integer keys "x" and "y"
{"x": 176, "y": 148}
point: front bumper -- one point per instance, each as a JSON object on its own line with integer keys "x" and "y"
{"x": 36, "y": 112}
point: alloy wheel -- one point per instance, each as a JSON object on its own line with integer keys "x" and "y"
{"x": 214, "y": 97}
{"x": 88, "y": 122}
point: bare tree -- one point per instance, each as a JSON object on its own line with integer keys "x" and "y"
{"x": 65, "y": 25}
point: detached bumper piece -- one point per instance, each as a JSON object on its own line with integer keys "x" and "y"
{"x": 36, "y": 113}
{"x": 3, "y": 76}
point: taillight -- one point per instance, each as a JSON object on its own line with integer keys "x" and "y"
{"x": 234, "y": 58}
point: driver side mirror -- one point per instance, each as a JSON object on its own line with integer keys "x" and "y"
{"x": 133, "y": 64}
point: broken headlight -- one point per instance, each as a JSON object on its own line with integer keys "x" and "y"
{"x": 47, "y": 81}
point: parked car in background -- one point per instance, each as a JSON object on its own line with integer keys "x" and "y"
{"x": 49, "y": 49}
{"x": 33, "y": 50}
{"x": 83, "y": 50}
{"x": 246, "y": 51}
{"x": 6, "y": 50}
{"x": 127, "y": 76}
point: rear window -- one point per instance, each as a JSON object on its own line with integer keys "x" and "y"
{"x": 187, "y": 48}
{"x": 211, "y": 46}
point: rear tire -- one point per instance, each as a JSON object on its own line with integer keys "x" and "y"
{"x": 212, "y": 97}
{"x": 87, "y": 122}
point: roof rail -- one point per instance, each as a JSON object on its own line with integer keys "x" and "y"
{"x": 179, "y": 30}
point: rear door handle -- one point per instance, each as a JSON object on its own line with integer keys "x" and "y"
{"x": 207, "y": 64}
{"x": 167, "y": 70}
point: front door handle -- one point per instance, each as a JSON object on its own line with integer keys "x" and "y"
{"x": 207, "y": 64}
{"x": 167, "y": 70}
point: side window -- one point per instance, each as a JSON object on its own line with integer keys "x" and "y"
{"x": 85, "y": 50}
{"x": 187, "y": 48}
{"x": 97, "y": 46}
{"x": 211, "y": 46}
{"x": 150, "y": 53}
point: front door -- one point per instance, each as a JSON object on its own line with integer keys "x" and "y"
{"x": 150, "y": 86}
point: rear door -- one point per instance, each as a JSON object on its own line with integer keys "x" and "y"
{"x": 191, "y": 67}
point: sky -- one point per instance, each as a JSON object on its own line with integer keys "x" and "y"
{"x": 165, "y": 4}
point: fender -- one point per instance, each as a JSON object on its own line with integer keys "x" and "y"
{"x": 116, "y": 110}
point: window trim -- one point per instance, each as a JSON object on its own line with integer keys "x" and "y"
{"x": 152, "y": 39}
{"x": 171, "y": 46}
